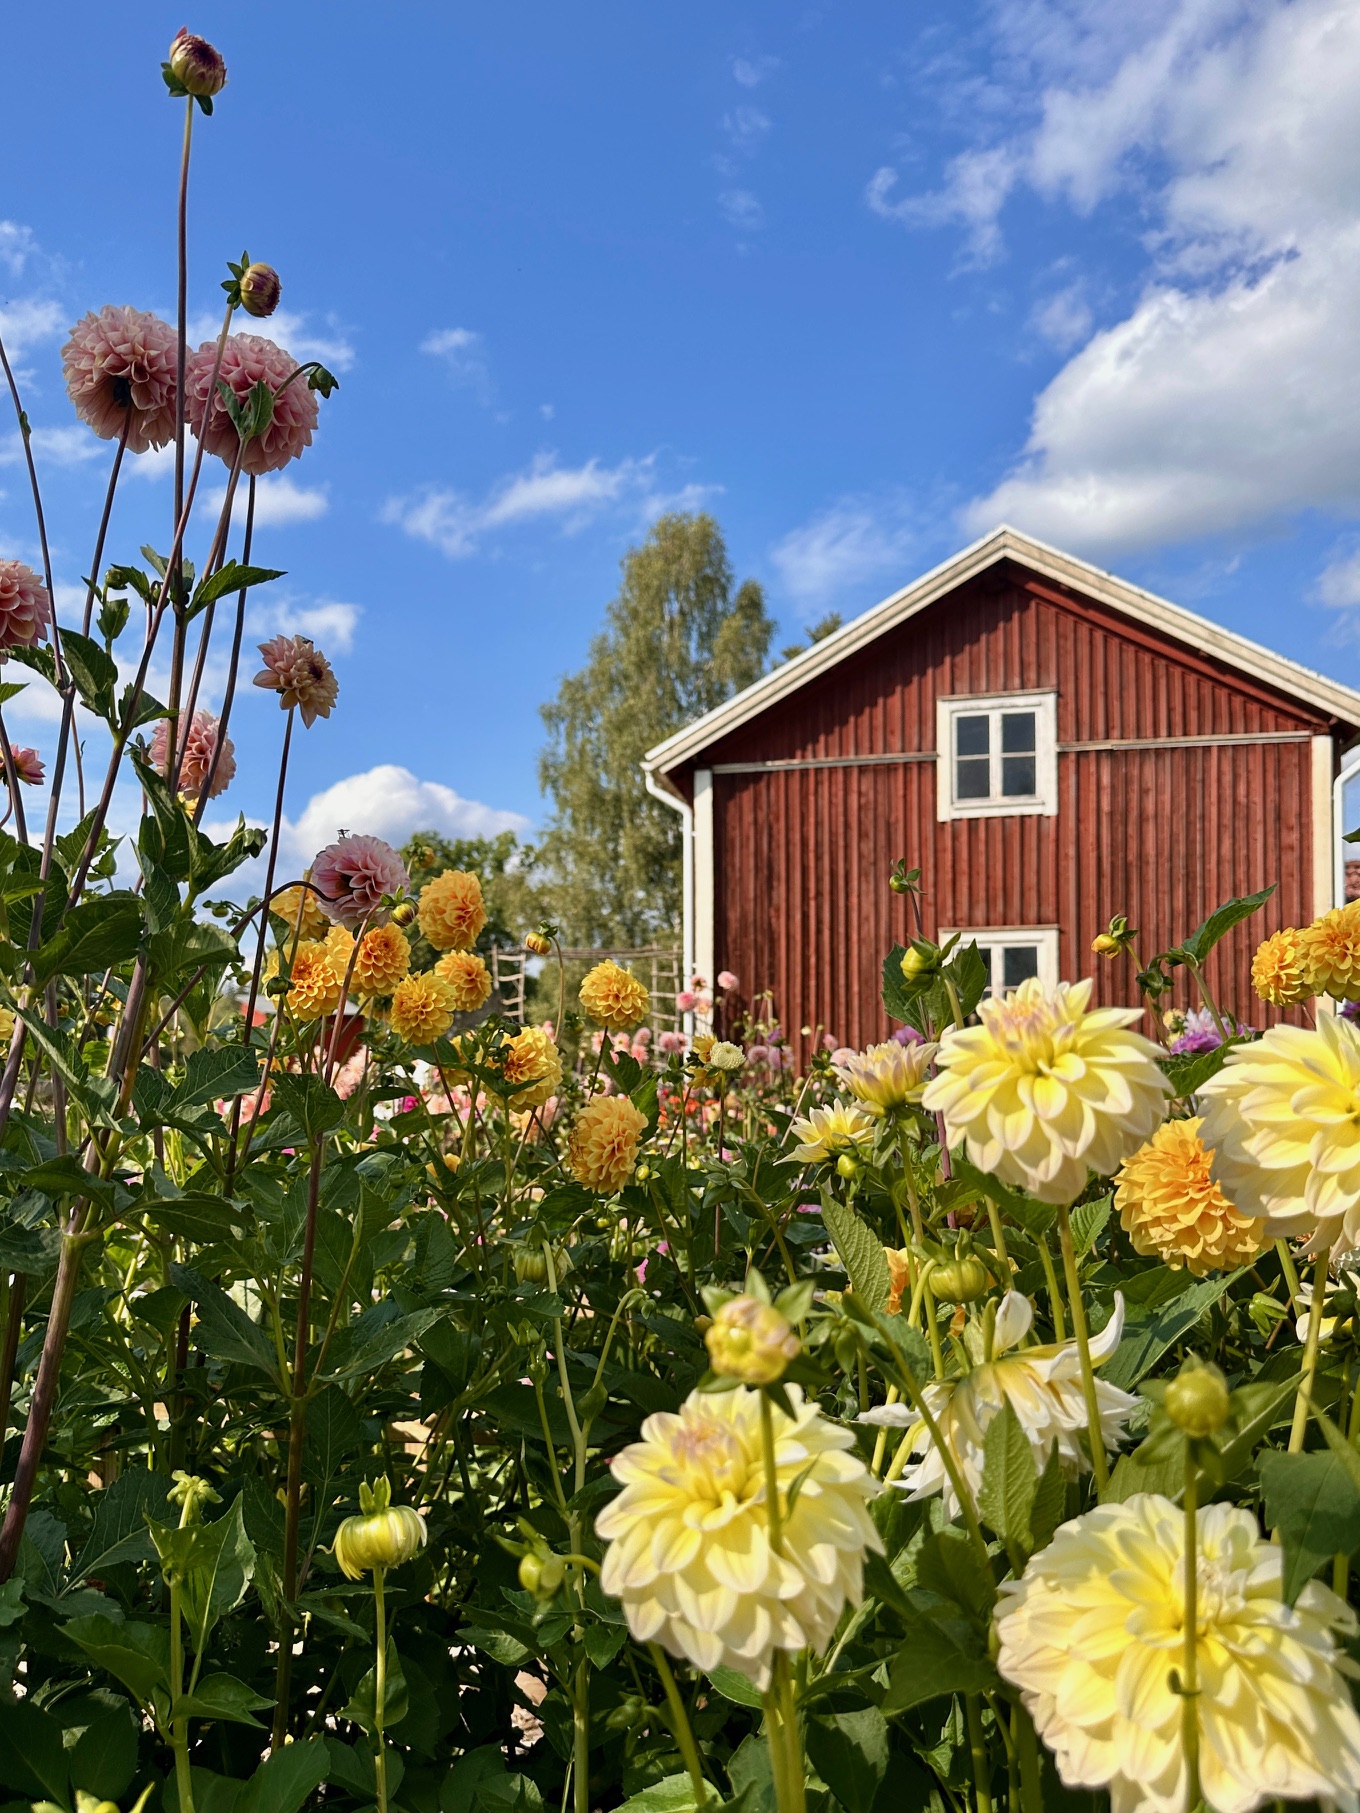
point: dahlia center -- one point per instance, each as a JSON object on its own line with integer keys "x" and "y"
{"x": 1219, "y": 1592}
{"x": 122, "y": 392}
{"x": 714, "y": 1460}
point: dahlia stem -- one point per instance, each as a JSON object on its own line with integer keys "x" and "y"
{"x": 774, "y": 1513}
{"x": 380, "y": 1690}
{"x": 680, "y": 1725}
{"x": 1190, "y": 1622}
{"x": 229, "y": 693}
{"x": 1088, "y": 1377}
{"x": 1291, "y": 1276}
{"x": 1304, "y": 1394}
{"x": 999, "y": 1238}
{"x": 909, "y": 1176}
{"x": 977, "y": 1753}
{"x": 1027, "y": 1744}
{"x": 580, "y": 1739}
{"x": 781, "y": 1727}
{"x": 1054, "y": 1290}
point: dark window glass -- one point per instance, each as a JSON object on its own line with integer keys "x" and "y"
{"x": 973, "y": 766}
{"x": 1018, "y": 963}
{"x": 1018, "y": 778}
{"x": 973, "y": 779}
{"x": 1017, "y": 732}
{"x": 972, "y": 735}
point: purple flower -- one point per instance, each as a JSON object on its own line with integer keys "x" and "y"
{"x": 906, "y": 1035}
{"x": 352, "y": 877}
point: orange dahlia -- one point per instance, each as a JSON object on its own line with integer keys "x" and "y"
{"x": 614, "y": 997}
{"x": 1280, "y": 971}
{"x": 1330, "y": 950}
{"x": 1172, "y": 1209}
{"x": 602, "y": 1149}
{"x": 382, "y": 961}
{"x": 297, "y": 907}
{"x": 421, "y": 1010}
{"x": 468, "y": 977}
{"x": 452, "y": 912}
{"x": 531, "y": 1059}
{"x": 313, "y": 985}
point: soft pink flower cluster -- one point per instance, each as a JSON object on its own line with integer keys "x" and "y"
{"x": 200, "y": 746}
{"x": 352, "y": 876}
{"x": 120, "y": 374}
{"x": 25, "y": 608}
{"x": 248, "y": 360}
{"x": 300, "y": 674}
{"x": 27, "y": 765}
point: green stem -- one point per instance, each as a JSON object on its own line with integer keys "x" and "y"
{"x": 580, "y": 1740}
{"x": 909, "y": 1176}
{"x": 179, "y": 1725}
{"x": 1190, "y": 1619}
{"x": 380, "y": 1690}
{"x": 1303, "y": 1396}
{"x": 999, "y": 1238}
{"x": 786, "y": 1752}
{"x": 1198, "y": 973}
{"x": 1054, "y": 1290}
{"x": 680, "y": 1725}
{"x": 1088, "y": 1377}
{"x": 1031, "y": 1779}
{"x": 932, "y": 1322}
{"x": 1291, "y": 1276}
{"x": 977, "y": 1752}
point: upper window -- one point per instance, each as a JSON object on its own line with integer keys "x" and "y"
{"x": 1015, "y": 953}
{"x": 997, "y": 756}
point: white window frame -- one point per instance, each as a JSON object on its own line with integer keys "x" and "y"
{"x": 997, "y": 938}
{"x": 1043, "y": 803}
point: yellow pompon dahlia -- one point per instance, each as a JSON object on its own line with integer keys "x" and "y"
{"x": 1280, "y": 970}
{"x": 382, "y": 960}
{"x": 888, "y": 1076}
{"x": 468, "y": 977}
{"x": 827, "y": 1133}
{"x": 1172, "y": 1209}
{"x": 1042, "y": 1386}
{"x": 614, "y": 997}
{"x": 340, "y": 947}
{"x": 1046, "y": 1090}
{"x": 452, "y": 912}
{"x": 1329, "y": 949}
{"x": 1283, "y": 1120}
{"x": 602, "y": 1146}
{"x": 421, "y": 1010}
{"x": 689, "y": 1551}
{"x": 532, "y": 1059}
{"x": 1092, "y": 1632}
{"x": 313, "y": 986}
{"x": 297, "y": 907}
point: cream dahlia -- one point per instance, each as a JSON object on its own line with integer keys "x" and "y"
{"x": 828, "y": 1133}
{"x": 352, "y": 876}
{"x": 25, "y": 607}
{"x": 689, "y": 1551}
{"x": 452, "y": 912}
{"x": 196, "y": 763}
{"x": 300, "y": 674}
{"x": 468, "y": 977}
{"x": 613, "y": 997}
{"x": 602, "y": 1146}
{"x": 1045, "y": 1090}
{"x": 887, "y": 1077}
{"x": 1171, "y": 1207}
{"x": 248, "y": 360}
{"x": 119, "y": 367}
{"x": 1093, "y": 1630}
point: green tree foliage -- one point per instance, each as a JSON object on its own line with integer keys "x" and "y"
{"x": 824, "y": 627}
{"x": 678, "y": 639}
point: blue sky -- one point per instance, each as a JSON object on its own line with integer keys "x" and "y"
{"x": 861, "y": 280}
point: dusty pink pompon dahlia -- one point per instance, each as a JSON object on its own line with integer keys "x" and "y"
{"x": 197, "y": 764}
{"x": 28, "y": 766}
{"x": 247, "y": 360}
{"x": 352, "y": 876}
{"x": 300, "y": 674}
{"x": 120, "y": 372}
{"x": 25, "y": 608}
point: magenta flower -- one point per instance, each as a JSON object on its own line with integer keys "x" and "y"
{"x": 120, "y": 373}
{"x": 197, "y": 762}
{"x": 248, "y": 360}
{"x": 25, "y": 608}
{"x": 27, "y": 765}
{"x": 352, "y": 877}
{"x": 300, "y": 674}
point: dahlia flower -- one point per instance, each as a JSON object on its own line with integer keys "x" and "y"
{"x": 602, "y": 1147}
{"x": 119, "y": 367}
{"x": 751, "y": 1341}
{"x": 614, "y": 997}
{"x": 1042, "y": 1386}
{"x": 248, "y": 360}
{"x": 25, "y": 608}
{"x": 352, "y": 876}
{"x": 1280, "y": 970}
{"x": 826, "y": 1133}
{"x": 197, "y": 66}
{"x": 1045, "y": 1091}
{"x": 468, "y": 977}
{"x": 689, "y": 1551}
{"x": 452, "y": 913}
{"x": 298, "y": 908}
{"x": 1329, "y": 950}
{"x": 421, "y": 1010}
{"x": 887, "y": 1077}
{"x": 381, "y": 961}
{"x": 1093, "y": 1630}
{"x": 313, "y": 985}
{"x": 533, "y": 1060}
{"x": 727, "y": 981}
{"x": 28, "y": 766}
{"x": 196, "y": 762}
{"x": 300, "y": 674}
{"x": 1172, "y": 1209}
{"x": 1283, "y": 1120}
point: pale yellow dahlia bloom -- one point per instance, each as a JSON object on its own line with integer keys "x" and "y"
{"x": 602, "y": 1146}
{"x": 888, "y": 1076}
{"x": 313, "y": 985}
{"x": 614, "y": 997}
{"x": 452, "y": 913}
{"x": 689, "y": 1552}
{"x": 1171, "y": 1207}
{"x": 1042, "y": 1386}
{"x": 1280, "y": 970}
{"x": 1283, "y": 1119}
{"x": 827, "y": 1133}
{"x": 383, "y": 1536}
{"x": 1045, "y": 1090}
{"x": 421, "y": 1010}
{"x": 1330, "y": 951}
{"x": 533, "y": 1059}
{"x": 751, "y": 1341}
{"x": 468, "y": 977}
{"x": 382, "y": 960}
{"x": 1092, "y": 1631}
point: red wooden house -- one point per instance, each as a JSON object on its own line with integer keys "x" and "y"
{"x": 1048, "y": 744}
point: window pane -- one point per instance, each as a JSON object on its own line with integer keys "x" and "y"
{"x": 1018, "y": 963}
{"x": 1017, "y": 732}
{"x": 972, "y": 734}
{"x": 973, "y": 778}
{"x": 1018, "y": 779}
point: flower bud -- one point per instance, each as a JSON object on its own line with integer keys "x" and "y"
{"x": 538, "y": 944}
{"x": 750, "y": 1340}
{"x": 383, "y": 1537}
{"x": 260, "y": 290}
{"x": 404, "y": 913}
{"x": 531, "y": 1264}
{"x": 959, "y": 1280}
{"x": 920, "y": 960}
{"x": 848, "y": 1166}
{"x": 541, "y": 1575}
{"x": 196, "y": 65}
{"x": 1197, "y": 1401}
{"x": 1105, "y": 946}
{"x": 191, "y": 1493}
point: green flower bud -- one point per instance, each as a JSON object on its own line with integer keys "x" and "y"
{"x": 1197, "y": 1401}
{"x": 541, "y": 1575}
{"x": 383, "y": 1537}
{"x": 750, "y": 1340}
{"x": 960, "y": 1280}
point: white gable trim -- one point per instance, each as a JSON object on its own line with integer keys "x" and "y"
{"x": 1005, "y": 543}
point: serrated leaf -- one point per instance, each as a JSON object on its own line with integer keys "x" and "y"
{"x": 93, "y": 670}
{"x": 1221, "y": 921}
{"x": 287, "y": 1776}
{"x": 1009, "y": 1479}
{"x": 217, "y": 1074}
{"x": 315, "y": 1107}
{"x": 224, "y": 1329}
{"x": 1147, "y": 1336}
{"x": 1315, "y": 1504}
{"x": 119, "y": 1532}
{"x": 136, "y": 1654}
{"x": 860, "y": 1251}
{"x": 221, "y": 1696}
{"x": 940, "y": 1656}
{"x": 233, "y": 577}
{"x": 735, "y": 1687}
{"x": 1188, "y": 1073}
{"x": 98, "y": 934}
{"x": 1088, "y": 1224}
{"x": 849, "y": 1750}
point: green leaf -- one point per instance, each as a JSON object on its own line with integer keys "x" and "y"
{"x": 603, "y": 1642}
{"x": 1009, "y": 1479}
{"x": 1221, "y": 921}
{"x": 220, "y": 1566}
{"x": 1148, "y": 1335}
{"x": 1189, "y": 1073}
{"x": 363, "y": 1705}
{"x": 198, "y": 1217}
{"x": 233, "y": 577}
{"x": 971, "y": 976}
{"x": 672, "y": 1794}
{"x": 897, "y": 998}
{"x": 104, "y": 1757}
{"x": 217, "y": 1074}
{"x": 940, "y": 1655}
{"x": 860, "y": 1251}
{"x": 333, "y": 1433}
{"x": 94, "y": 671}
{"x": 306, "y": 1099}
{"x": 1088, "y": 1223}
{"x": 188, "y": 945}
{"x": 287, "y": 1776}
{"x": 224, "y": 1329}
{"x": 98, "y": 934}
{"x": 136, "y": 1654}
{"x": 1314, "y": 1503}
{"x": 735, "y": 1687}
{"x": 221, "y": 1697}
{"x": 1050, "y": 1501}
{"x": 498, "y": 1644}
{"x": 386, "y": 1343}
{"x": 32, "y": 1757}
{"x": 849, "y": 1750}
{"x": 119, "y": 1532}
{"x": 66, "y": 1176}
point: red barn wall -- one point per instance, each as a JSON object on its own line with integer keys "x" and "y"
{"x": 801, "y": 857}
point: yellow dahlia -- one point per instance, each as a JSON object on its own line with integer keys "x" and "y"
{"x": 1329, "y": 950}
{"x": 297, "y": 906}
{"x": 1280, "y": 970}
{"x": 1172, "y": 1209}
{"x": 1045, "y": 1091}
{"x": 313, "y": 986}
{"x": 888, "y": 1076}
{"x": 750, "y": 1340}
{"x": 826, "y": 1133}
{"x": 1042, "y": 1386}
{"x": 1283, "y": 1120}
{"x": 421, "y": 1010}
{"x": 602, "y": 1147}
{"x": 532, "y": 1059}
{"x": 614, "y": 997}
{"x": 1092, "y": 1632}
{"x": 383, "y": 959}
{"x": 340, "y": 947}
{"x": 689, "y": 1551}
{"x": 468, "y": 977}
{"x": 451, "y": 912}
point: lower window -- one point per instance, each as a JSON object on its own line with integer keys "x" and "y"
{"x": 1014, "y": 953}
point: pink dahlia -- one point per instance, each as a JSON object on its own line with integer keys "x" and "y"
{"x": 120, "y": 372}
{"x": 27, "y": 765}
{"x": 197, "y": 763}
{"x": 353, "y": 875}
{"x": 300, "y": 674}
{"x": 248, "y": 360}
{"x": 25, "y": 608}
{"x": 726, "y": 980}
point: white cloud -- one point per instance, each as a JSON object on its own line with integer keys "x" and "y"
{"x": 291, "y": 329}
{"x": 742, "y": 209}
{"x": 747, "y": 127}
{"x": 17, "y": 246}
{"x": 279, "y": 501}
{"x": 327, "y": 621}
{"x": 462, "y": 353}
{"x": 456, "y": 524}
{"x": 1339, "y": 582}
{"x": 855, "y": 542}
{"x": 750, "y": 72}
{"x": 976, "y": 186}
{"x": 1063, "y": 319}
{"x": 70, "y": 446}
{"x": 27, "y": 321}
